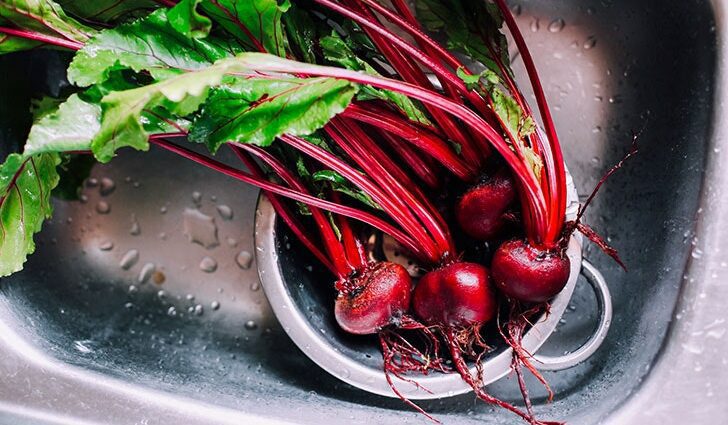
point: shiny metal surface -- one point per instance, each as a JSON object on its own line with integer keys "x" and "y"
{"x": 581, "y": 354}
{"x": 73, "y": 353}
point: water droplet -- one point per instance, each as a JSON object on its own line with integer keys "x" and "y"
{"x": 596, "y": 130}
{"x": 107, "y": 186}
{"x": 129, "y": 259}
{"x": 200, "y": 228}
{"x": 557, "y": 25}
{"x": 190, "y": 297}
{"x": 162, "y": 236}
{"x": 208, "y": 265}
{"x": 83, "y": 199}
{"x": 251, "y": 325}
{"x": 92, "y": 182}
{"x": 215, "y": 305}
{"x": 133, "y": 289}
{"x": 225, "y": 212}
{"x": 158, "y": 277}
{"x": 535, "y": 25}
{"x": 106, "y": 246}
{"x": 103, "y": 207}
{"x": 128, "y": 306}
{"x": 171, "y": 311}
{"x": 244, "y": 259}
{"x": 163, "y": 210}
{"x": 517, "y": 10}
{"x": 197, "y": 198}
{"x": 697, "y": 253}
{"x": 715, "y": 333}
{"x": 590, "y": 43}
{"x": 161, "y": 294}
{"x": 83, "y": 346}
{"x": 135, "y": 229}
{"x": 255, "y": 286}
{"x": 199, "y": 310}
{"x": 146, "y": 272}
{"x": 136, "y": 185}
{"x": 232, "y": 242}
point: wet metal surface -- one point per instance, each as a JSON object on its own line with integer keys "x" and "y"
{"x": 79, "y": 345}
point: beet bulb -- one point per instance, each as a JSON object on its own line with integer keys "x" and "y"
{"x": 456, "y": 295}
{"x": 375, "y": 298}
{"x": 529, "y": 274}
{"x": 480, "y": 211}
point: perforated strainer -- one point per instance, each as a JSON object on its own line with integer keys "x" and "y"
{"x": 302, "y": 301}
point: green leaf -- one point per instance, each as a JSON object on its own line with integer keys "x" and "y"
{"x": 128, "y": 116}
{"x": 71, "y": 127}
{"x": 108, "y": 10}
{"x": 473, "y": 81}
{"x": 150, "y": 44}
{"x": 44, "y": 106}
{"x": 259, "y": 110}
{"x": 472, "y": 27}
{"x": 45, "y": 17}
{"x": 254, "y": 23}
{"x": 518, "y": 125}
{"x": 341, "y": 185}
{"x": 186, "y": 19}
{"x": 339, "y": 52}
{"x": 10, "y": 44}
{"x": 302, "y": 33}
{"x": 26, "y": 183}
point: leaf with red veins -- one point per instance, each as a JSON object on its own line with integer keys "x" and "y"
{"x": 257, "y": 110}
{"x": 151, "y": 44}
{"x": 107, "y": 10}
{"x": 255, "y": 23}
{"x": 25, "y": 187}
{"x": 45, "y": 17}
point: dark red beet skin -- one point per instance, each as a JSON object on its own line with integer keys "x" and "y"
{"x": 376, "y": 297}
{"x": 480, "y": 210}
{"x": 527, "y": 273}
{"x": 456, "y": 295}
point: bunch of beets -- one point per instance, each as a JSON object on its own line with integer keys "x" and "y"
{"x": 355, "y": 122}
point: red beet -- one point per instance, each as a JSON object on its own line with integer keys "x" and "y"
{"x": 480, "y": 211}
{"x": 529, "y": 274}
{"x": 456, "y": 296}
{"x": 374, "y": 299}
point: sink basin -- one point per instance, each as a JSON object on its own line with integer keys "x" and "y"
{"x": 141, "y": 306}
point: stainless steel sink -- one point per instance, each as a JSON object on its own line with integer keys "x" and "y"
{"x": 82, "y": 341}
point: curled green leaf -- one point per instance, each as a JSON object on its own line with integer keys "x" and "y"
{"x": 26, "y": 183}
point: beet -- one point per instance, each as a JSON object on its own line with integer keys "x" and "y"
{"x": 480, "y": 211}
{"x": 456, "y": 295}
{"x": 375, "y": 298}
{"x": 529, "y": 274}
